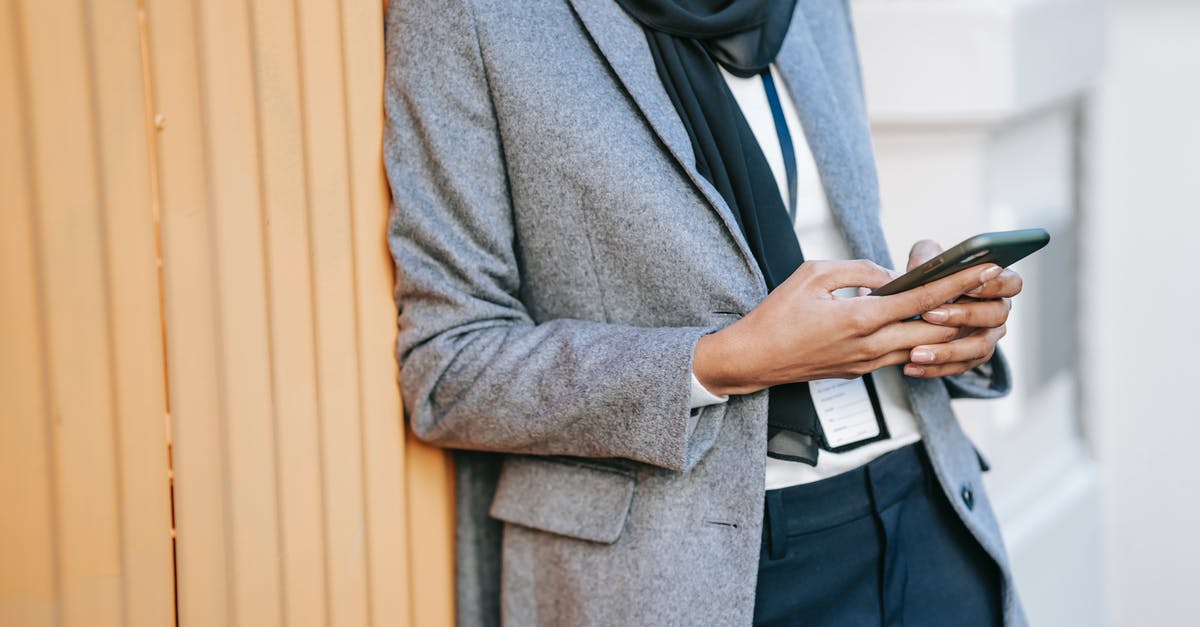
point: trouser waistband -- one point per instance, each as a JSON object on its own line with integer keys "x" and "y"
{"x": 871, "y": 488}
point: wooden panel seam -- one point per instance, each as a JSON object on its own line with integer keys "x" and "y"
{"x": 264, "y": 245}
{"x": 28, "y": 150}
{"x": 90, "y": 62}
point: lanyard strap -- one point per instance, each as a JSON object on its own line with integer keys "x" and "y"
{"x": 785, "y": 139}
{"x": 789, "y": 165}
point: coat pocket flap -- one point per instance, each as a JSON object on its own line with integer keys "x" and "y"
{"x": 577, "y": 499}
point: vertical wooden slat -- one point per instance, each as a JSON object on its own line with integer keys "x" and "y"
{"x": 138, "y": 375}
{"x": 188, "y": 297}
{"x": 295, "y": 500}
{"x": 334, "y": 309}
{"x": 243, "y": 356}
{"x": 69, "y": 232}
{"x": 383, "y": 426}
{"x": 289, "y": 294}
{"x": 430, "y": 477}
{"x": 28, "y": 578}
{"x": 427, "y": 472}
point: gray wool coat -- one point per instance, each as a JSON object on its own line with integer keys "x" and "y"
{"x": 558, "y": 256}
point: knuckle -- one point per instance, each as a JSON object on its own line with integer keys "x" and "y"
{"x": 1018, "y": 284}
{"x": 955, "y": 367}
{"x": 866, "y": 265}
{"x": 983, "y": 348}
{"x": 923, "y": 248}
{"x": 885, "y": 360}
{"x": 868, "y": 348}
{"x": 859, "y": 321}
{"x": 807, "y": 269}
{"x": 997, "y": 314}
{"x": 927, "y": 299}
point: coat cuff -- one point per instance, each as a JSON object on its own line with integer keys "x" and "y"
{"x": 989, "y": 380}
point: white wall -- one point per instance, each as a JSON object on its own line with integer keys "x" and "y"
{"x": 975, "y": 108}
{"x": 1141, "y": 281}
{"x": 994, "y": 114}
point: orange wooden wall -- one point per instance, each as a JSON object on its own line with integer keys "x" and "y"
{"x": 194, "y": 282}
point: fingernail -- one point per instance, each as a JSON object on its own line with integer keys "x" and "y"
{"x": 913, "y": 371}
{"x": 989, "y": 274}
{"x": 937, "y": 315}
{"x": 922, "y": 355}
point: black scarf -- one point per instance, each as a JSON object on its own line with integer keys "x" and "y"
{"x": 688, "y": 39}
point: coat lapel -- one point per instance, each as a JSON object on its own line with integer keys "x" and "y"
{"x": 623, "y": 44}
{"x": 839, "y": 146}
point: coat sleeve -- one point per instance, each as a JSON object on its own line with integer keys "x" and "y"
{"x": 476, "y": 371}
{"x": 990, "y": 380}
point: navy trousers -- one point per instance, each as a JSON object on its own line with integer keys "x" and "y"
{"x": 876, "y": 546}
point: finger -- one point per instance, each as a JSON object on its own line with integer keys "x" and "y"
{"x": 979, "y": 314}
{"x": 932, "y": 295}
{"x": 923, "y": 251}
{"x": 978, "y": 345}
{"x": 942, "y": 370}
{"x": 834, "y": 275}
{"x": 894, "y": 358}
{"x": 1007, "y": 285}
{"x": 905, "y": 335}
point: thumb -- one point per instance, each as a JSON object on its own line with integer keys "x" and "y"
{"x": 835, "y": 275}
{"x": 923, "y": 251}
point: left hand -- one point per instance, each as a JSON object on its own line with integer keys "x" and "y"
{"x": 980, "y": 316}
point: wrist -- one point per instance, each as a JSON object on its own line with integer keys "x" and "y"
{"x": 720, "y": 366}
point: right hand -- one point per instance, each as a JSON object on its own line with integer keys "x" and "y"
{"x": 801, "y": 331}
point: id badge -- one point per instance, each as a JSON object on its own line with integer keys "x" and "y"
{"x": 849, "y": 413}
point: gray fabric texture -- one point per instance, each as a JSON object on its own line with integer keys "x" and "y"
{"x": 558, "y": 256}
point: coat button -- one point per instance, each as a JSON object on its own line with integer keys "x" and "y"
{"x": 968, "y": 497}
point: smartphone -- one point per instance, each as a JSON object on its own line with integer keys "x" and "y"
{"x": 1002, "y": 248}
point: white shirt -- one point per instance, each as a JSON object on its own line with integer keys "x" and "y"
{"x": 819, "y": 239}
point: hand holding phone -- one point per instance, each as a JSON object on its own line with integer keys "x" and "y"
{"x": 1002, "y": 248}
{"x": 980, "y": 318}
